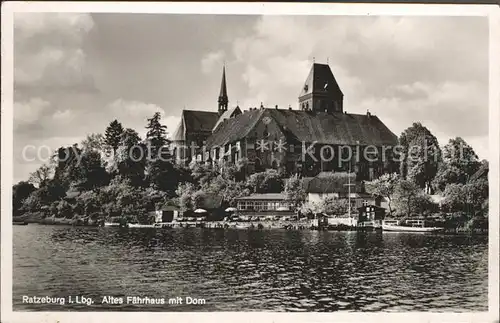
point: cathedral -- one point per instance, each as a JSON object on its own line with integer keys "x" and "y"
{"x": 318, "y": 136}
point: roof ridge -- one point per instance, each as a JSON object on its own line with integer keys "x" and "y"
{"x": 260, "y": 114}
{"x": 188, "y": 110}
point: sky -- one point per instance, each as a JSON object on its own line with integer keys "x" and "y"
{"x": 74, "y": 73}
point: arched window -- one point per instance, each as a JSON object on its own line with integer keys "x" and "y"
{"x": 265, "y": 133}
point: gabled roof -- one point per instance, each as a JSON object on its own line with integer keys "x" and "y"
{"x": 306, "y": 126}
{"x": 334, "y": 128}
{"x": 235, "y": 128}
{"x": 194, "y": 122}
{"x": 334, "y": 183}
{"x": 227, "y": 115}
{"x": 265, "y": 196}
{"x": 321, "y": 81}
{"x": 179, "y": 132}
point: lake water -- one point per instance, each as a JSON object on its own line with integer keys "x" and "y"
{"x": 268, "y": 270}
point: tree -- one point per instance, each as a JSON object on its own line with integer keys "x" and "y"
{"x": 202, "y": 173}
{"x": 156, "y": 138}
{"x": 228, "y": 188}
{"x": 32, "y": 203}
{"x": 88, "y": 204}
{"x": 130, "y": 157}
{"x": 269, "y": 181}
{"x": 458, "y": 153}
{"x": 197, "y": 199}
{"x": 184, "y": 192}
{"x": 108, "y": 196}
{"x": 92, "y": 174}
{"x": 154, "y": 198}
{"x": 41, "y": 176}
{"x": 164, "y": 176}
{"x": 476, "y": 193}
{"x": 406, "y": 192}
{"x": 20, "y": 192}
{"x": 469, "y": 198}
{"x": 453, "y": 197}
{"x": 309, "y": 208}
{"x": 334, "y": 206}
{"x": 459, "y": 163}
{"x": 294, "y": 190}
{"x": 421, "y": 155}
{"x": 43, "y": 196}
{"x": 384, "y": 186}
{"x": 93, "y": 142}
{"x": 67, "y": 160}
{"x": 64, "y": 210}
{"x": 113, "y": 135}
{"x": 121, "y": 198}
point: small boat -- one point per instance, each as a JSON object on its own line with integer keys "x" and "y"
{"x": 111, "y": 224}
{"x": 20, "y": 223}
{"x": 138, "y": 225}
{"x": 402, "y": 228}
{"x": 410, "y": 226}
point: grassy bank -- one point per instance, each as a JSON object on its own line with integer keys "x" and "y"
{"x": 41, "y": 218}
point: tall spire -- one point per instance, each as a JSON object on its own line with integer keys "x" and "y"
{"x": 223, "y": 100}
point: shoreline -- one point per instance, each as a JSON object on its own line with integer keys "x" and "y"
{"x": 265, "y": 226}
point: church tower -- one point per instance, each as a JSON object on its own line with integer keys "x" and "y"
{"x": 223, "y": 100}
{"x": 321, "y": 93}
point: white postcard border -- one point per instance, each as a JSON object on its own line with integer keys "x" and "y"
{"x": 492, "y": 11}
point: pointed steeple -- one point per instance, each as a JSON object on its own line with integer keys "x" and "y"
{"x": 223, "y": 99}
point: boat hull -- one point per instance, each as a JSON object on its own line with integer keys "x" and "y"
{"x": 20, "y": 223}
{"x": 136, "y": 225}
{"x": 111, "y": 224}
{"x": 400, "y": 228}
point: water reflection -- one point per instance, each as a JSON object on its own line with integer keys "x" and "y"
{"x": 237, "y": 270}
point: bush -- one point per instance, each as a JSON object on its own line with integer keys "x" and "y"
{"x": 64, "y": 210}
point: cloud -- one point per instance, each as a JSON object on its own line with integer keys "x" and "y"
{"x": 212, "y": 60}
{"x": 404, "y": 69}
{"x": 172, "y": 122}
{"x": 133, "y": 109}
{"x": 75, "y": 73}
{"x": 64, "y": 116}
{"x": 26, "y": 113}
{"x": 31, "y": 24}
{"x": 134, "y": 114}
{"x": 49, "y": 54}
{"x": 29, "y": 154}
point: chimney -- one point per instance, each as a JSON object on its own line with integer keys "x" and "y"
{"x": 261, "y": 106}
{"x": 276, "y": 107}
{"x": 289, "y": 107}
{"x": 368, "y": 113}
